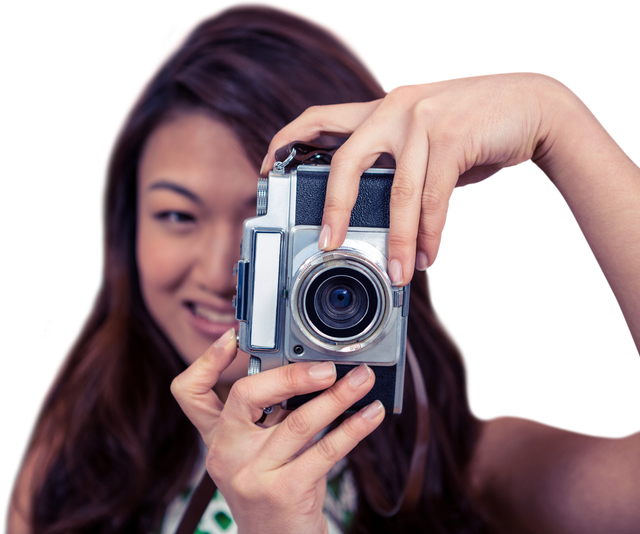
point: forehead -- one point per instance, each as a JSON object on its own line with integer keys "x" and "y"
{"x": 198, "y": 152}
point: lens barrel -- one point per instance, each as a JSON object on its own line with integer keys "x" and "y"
{"x": 341, "y": 300}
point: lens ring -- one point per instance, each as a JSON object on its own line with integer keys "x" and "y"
{"x": 364, "y": 259}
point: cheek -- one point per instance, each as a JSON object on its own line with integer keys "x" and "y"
{"x": 163, "y": 261}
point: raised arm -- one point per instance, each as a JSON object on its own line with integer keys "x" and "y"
{"x": 602, "y": 187}
{"x": 462, "y": 131}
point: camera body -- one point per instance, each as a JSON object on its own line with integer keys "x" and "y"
{"x": 297, "y": 303}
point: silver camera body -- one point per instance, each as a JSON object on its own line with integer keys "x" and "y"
{"x": 295, "y": 302}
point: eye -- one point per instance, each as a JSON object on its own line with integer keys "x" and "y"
{"x": 175, "y": 217}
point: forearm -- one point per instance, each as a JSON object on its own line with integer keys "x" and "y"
{"x": 602, "y": 188}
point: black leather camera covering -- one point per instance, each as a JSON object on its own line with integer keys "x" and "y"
{"x": 383, "y": 390}
{"x": 370, "y": 211}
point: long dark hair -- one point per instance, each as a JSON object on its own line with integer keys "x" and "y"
{"x": 112, "y": 445}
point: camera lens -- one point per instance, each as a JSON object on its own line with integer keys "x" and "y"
{"x": 341, "y": 302}
{"x": 340, "y": 297}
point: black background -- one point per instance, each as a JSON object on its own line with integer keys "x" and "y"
{"x": 550, "y": 340}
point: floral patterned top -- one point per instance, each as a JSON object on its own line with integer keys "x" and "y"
{"x": 339, "y": 506}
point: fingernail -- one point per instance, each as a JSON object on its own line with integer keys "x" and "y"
{"x": 325, "y": 237}
{"x": 359, "y": 375}
{"x": 421, "y": 261}
{"x": 395, "y": 272}
{"x": 320, "y": 371}
{"x": 371, "y": 412}
{"x": 225, "y": 338}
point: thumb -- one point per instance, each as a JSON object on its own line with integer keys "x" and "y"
{"x": 193, "y": 387}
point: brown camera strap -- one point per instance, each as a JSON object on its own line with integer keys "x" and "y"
{"x": 198, "y": 503}
{"x": 374, "y": 493}
{"x": 409, "y": 498}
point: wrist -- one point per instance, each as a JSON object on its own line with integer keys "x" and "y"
{"x": 571, "y": 142}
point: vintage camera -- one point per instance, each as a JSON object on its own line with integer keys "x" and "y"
{"x": 297, "y": 303}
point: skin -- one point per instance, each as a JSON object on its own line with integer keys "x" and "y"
{"x": 195, "y": 188}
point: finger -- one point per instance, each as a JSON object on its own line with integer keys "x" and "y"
{"x": 337, "y": 119}
{"x": 405, "y": 204}
{"x": 304, "y": 423}
{"x": 193, "y": 387}
{"x": 318, "y": 460}
{"x": 354, "y": 157}
{"x": 442, "y": 175}
{"x": 251, "y": 394}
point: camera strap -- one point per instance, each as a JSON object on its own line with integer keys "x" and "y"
{"x": 297, "y": 153}
{"x": 409, "y": 498}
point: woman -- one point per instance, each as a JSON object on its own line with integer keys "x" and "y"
{"x": 111, "y": 449}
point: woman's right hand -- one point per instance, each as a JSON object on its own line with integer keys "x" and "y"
{"x": 272, "y": 482}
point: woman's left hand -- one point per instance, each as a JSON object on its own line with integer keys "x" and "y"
{"x": 441, "y": 135}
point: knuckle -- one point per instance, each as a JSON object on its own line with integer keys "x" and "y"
{"x": 427, "y": 234}
{"x": 327, "y": 448}
{"x": 395, "y": 92}
{"x": 177, "y": 387}
{"x": 314, "y": 116}
{"x": 339, "y": 160}
{"x": 402, "y": 192}
{"x": 243, "y": 485}
{"x": 240, "y": 391}
{"x": 312, "y": 111}
{"x": 336, "y": 396}
{"x": 335, "y": 210}
{"x": 290, "y": 377}
{"x": 335, "y": 203}
{"x": 343, "y": 161}
{"x": 432, "y": 200}
{"x": 400, "y": 240}
{"x": 350, "y": 429}
{"x": 423, "y": 111}
{"x": 298, "y": 423}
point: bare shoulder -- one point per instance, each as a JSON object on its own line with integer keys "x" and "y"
{"x": 533, "y": 478}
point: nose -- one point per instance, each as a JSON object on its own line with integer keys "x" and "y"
{"x": 219, "y": 251}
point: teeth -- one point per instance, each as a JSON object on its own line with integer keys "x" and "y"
{"x": 213, "y": 316}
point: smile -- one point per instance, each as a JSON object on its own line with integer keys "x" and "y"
{"x": 211, "y": 315}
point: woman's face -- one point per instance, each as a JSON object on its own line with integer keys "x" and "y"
{"x": 195, "y": 188}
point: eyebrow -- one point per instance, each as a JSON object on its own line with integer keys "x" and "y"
{"x": 165, "y": 184}
{"x": 170, "y": 186}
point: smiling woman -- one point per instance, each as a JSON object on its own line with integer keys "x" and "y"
{"x": 113, "y": 452}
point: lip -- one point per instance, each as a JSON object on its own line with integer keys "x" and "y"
{"x": 206, "y": 327}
